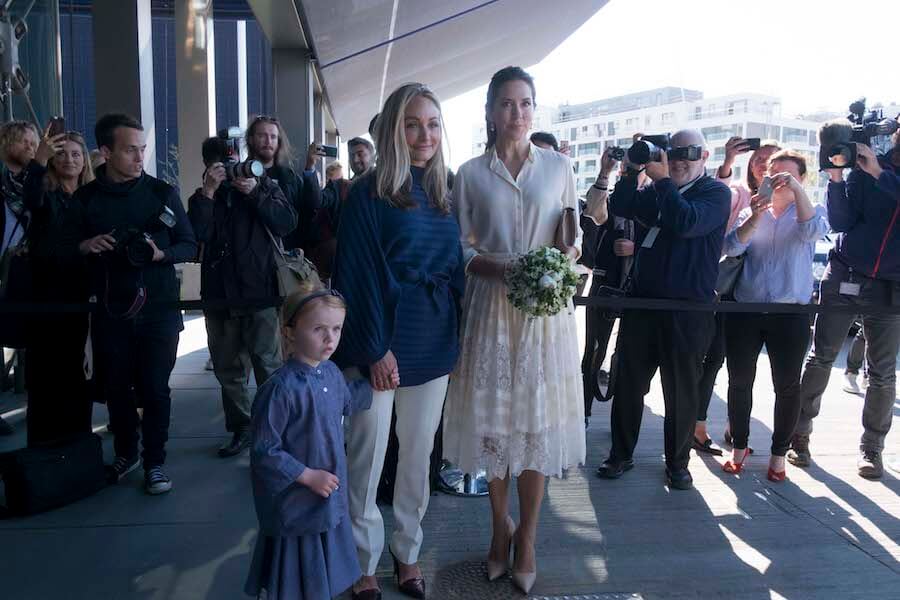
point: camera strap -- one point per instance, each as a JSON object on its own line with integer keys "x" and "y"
{"x": 140, "y": 298}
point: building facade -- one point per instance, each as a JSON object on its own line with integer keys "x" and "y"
{"x": 591, "y": 127}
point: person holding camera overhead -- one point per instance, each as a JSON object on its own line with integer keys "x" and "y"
{"x": 757, "y": 166}
{"x": 685, "y": 212}
{"x": 58, "y": 403}
{"x": 863, "y": 271}
{"x": 266, "y": 141}
{"x": 777, "y": 235}
{"x": 238, "y": 220}
{"x": 135, "y": 230}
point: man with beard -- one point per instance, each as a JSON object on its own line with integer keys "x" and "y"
{"x": 268, "y": 143}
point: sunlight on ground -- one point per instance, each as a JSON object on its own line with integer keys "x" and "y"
{"x": 744, "y": 551}
{"x": 193, "y": 337}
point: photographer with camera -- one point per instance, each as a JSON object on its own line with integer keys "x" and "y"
{"x": 267, "y": 141}
{"x": 18, "y": 142}
{"x": 741, "y": 193}
{"x": 237, "y": 219}
{"x": 686, "y": 212}
{"x": 863, "y": 271}
{"x": 608, "y": 249}
{"x": 328, "y": 217}
{"x": 135, "y": 230}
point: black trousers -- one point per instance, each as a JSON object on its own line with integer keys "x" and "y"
{"x": 58, "y": 403}
{"x": 138, "y": 353}
{"x": 712, "y": 364}
{"x": 786, "y": 338}
{"x": 675, "y": 343}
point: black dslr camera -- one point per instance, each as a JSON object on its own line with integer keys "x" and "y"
{"x": 131, "y": 243}
{"x": 838, "y": 138}
{"x": 649, "y": 149}
{"x": 229, "y": 153}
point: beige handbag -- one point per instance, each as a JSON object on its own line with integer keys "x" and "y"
{"x": 567, "y": 230}
{"x": 292, "y": 268}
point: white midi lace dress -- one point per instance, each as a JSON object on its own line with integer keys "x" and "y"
{"x": 515, "y": 400}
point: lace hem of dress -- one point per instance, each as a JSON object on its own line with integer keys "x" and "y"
{"x": 548, "y": 452}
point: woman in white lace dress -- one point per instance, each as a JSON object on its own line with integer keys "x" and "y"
{"x": 514, "y": 407}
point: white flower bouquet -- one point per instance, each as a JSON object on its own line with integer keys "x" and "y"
{"x": 541, "y": 283}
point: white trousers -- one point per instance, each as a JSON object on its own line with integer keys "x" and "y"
{"x": 418, "y": 417}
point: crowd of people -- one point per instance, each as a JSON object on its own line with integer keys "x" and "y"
{"x": 408, "y": 318}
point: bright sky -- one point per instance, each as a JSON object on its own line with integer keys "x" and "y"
{"x": 813, "y": 54}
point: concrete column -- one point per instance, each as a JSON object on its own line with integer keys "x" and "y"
{"x": 195, "y": 80}
{"x": 123, "y": 64}
{"x": 195, "y": 89}
{"x": 294, "y": 102}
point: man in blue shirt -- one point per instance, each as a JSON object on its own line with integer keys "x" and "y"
{"x": 864, "y": 271}
{"x": 685, "y": 212}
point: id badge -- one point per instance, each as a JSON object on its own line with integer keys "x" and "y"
{"x": 848, "y": 288}
{"x": 650, "y": 238}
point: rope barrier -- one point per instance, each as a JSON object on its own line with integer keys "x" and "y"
{"x": 612, "y": 303}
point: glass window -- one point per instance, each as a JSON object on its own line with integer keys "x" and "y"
{"x": 794, "y": 135}
{"x": 592, "y": 148}
{"x": 590, "y": 165}
{"x": 698, "y": 112}
{"x": 573, "y": 134}
{"x": 611, "y": 128}
{"x": 719, "y": 153}
{"x": 736, "y": 173}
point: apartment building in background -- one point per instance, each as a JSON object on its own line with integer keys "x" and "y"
{"x": 589, "y": 128}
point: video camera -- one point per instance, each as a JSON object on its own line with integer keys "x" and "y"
{"x": 650, "y": 148}
{"x": 838, "y": 138}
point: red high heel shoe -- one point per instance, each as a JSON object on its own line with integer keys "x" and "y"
{"x": 734, "y": 468}
{"x": 776, "y": 476}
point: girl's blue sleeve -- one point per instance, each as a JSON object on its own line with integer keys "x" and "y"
{"x": 357, "y": 396}
{"x": 268, "y": 420}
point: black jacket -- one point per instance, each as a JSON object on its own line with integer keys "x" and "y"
{"x": 59, "y": 272}
{"x": 108, "y": 206}
{"x": 683, "y": 261}
{"x": 238, "y": 254}
{"x": 305, "y": 197}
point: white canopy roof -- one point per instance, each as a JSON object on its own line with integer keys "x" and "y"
{"x": 366, "y": 48}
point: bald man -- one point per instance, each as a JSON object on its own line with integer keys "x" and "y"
{"x": 685, "y": 212}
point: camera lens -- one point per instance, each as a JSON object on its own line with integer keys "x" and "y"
{"x": 642, "y": 152}
{"x": 616, "y": 153}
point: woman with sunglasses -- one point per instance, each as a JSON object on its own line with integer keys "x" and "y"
{"x": 58, "y": 404}
{"x": 399, "y": 266}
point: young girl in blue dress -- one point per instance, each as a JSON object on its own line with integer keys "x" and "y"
{"x": 305, "y": 549}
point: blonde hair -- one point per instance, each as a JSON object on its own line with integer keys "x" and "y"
{"x": 334, "y": 166}
{"x": 752, "y": 183}
{"x": 289, "y": 311}
{"x": 284, "y": 156}
{"x": 12, "y": 132}
{"x": 87, "y": 171}
{"x": 393, "y": 177}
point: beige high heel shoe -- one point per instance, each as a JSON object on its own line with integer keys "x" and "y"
{"x": 497, "y": 569}
{"x": 523, "y": 580}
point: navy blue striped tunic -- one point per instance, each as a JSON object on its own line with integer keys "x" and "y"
{"x": 402, "y": 274}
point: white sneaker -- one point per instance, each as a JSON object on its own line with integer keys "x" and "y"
{"x": 850, "y": 384}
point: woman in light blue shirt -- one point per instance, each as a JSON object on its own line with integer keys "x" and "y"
{"x": 778, "y": 235}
